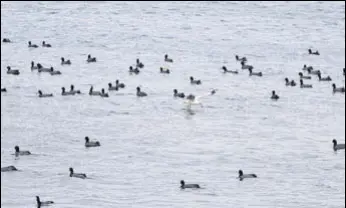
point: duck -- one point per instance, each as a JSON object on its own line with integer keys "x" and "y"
{"x": 302, "y": 85}
{"x": 46, "y": 45}
{"x": 225, "y": 70}
{"x": 18, "y": 152}
{"x": 63, "y": 62}
{"x": 64, "y": 93}
{"x": 89, "y": 143}
{"x": 6, "y": 40}
{"x": 52, "y": 72}
{"x": 320, "y": 78}
{"x": 40, "y": 68}
{"x": 242, "y": 175}
{"x": 177, "y": 94}
{"x": 3, "y": 90}
{"x": 184, "y": 186}
{"x": 337, "y": 146}
{"x": 140, "y": 93}
{"x": 195, "y": 82}
{"x": 132, "y": 70}
{"x": 306, "y": 68}
{"x": 244, "y": 66}
{"x": 274, "y": 96}
{"x": 168, "y": 59}
{"x": 139, "y": 64}
{"x": 33, "y": 67}
{"x": 90, "y": 59}
{"x": 92, "y": 92}
{"x": 41, "y": 95}
{"x": 77, "y": 175}
{"x": 340, "y": 89}
{"x": 9, "y": 169}
{"x": 12, "y": 71}
{"x": 118, "y": 84}
{"x": 103, "y": 93}
{"x": 111, "y": 88}
{"x": 315, "y": 72}
{"x": 42, "y": 203}
{"x": 313, "y": 53}
{"x": 162, "y": 71}
{"x": 74, "y": 91}
{"x": 243, "y": 59}
{"x": 303, "y": 77}
{"x": 32, "y": 45}
{"x": 259, "y": 74}
{"x": 290, "y": 83}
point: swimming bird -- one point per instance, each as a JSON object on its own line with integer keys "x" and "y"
{"x": 12, "y": 71}
{"x": 340, "y": 89}
{"x": 89, "y": 143}
{"x": 6, "y": 40}
{"x": 118, "y": 84}
{"x": 244, "y": 66}
{"x": 92, "y": 92}
{"x": 162, "y": 71}
{"x": 32, "y": 45}
{"x": 77, "y": 175}
{"x": 110, "y": 87}
{"x": 33, "y": 67}
{"x": 274, "y": 96}
{"x": 42, "y": 69}
{"x": 195, "y": 82}
{"x": 306, "y": 68}
{"x": 139, "y": 64}
{"x": 243, "y": 59}
{"x": 337, "y": 146}
{"x": 259, "y": 74}
{"x": 103, "y": 93}
{"x": 168, "y": 59}
{"x": 91, "y": 59}
{"x": 140, "y": 93}
{"x": 302, "y": 85}
{"x": 313, "y": 53}
{"x": 290, "y": 83}
{"x": 320, "y": 78}
{"x": 8, "y": 169}
{"x": 52, "y": 72}
{"x": 18, "y": 152}
{"x": 184, "y": 186}
{"x": 3, "y": 90}
{"x": 63, "y": 62}
{"x": 74, "y": 91}
{"x": 303, "y": 77}
{"x": 42, "y": 203}
{"x": 315, "y": 72}
{"x": 132, "y": 70}
{"x": 46, "y": 45}
{"x": 64, "y": 93}
{"x": 176, "y": 94}
{"x": 242, "y": 175}
{"x": 41, "y": 95}
{"x": 225, "y": 70}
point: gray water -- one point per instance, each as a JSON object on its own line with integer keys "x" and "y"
{"x": 149, "y": 144}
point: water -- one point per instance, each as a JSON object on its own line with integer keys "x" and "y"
{"x": 148, "y": 145}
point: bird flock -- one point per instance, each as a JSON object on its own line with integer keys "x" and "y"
{"x": 190, "y": 99}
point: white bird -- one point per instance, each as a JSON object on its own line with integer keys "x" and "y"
{"x": 195, "y": 100}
